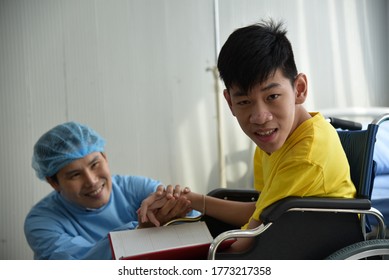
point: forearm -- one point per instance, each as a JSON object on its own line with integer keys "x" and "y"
{"x": 233, "y": 212}
{"x": 49, "y": 245}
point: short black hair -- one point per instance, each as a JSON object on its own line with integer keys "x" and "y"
{"x": 252, "y": 53}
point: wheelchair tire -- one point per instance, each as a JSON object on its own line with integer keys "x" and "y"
{"x": 369, "y": 249}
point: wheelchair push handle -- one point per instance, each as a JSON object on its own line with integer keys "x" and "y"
{"x": 344, "y": 124}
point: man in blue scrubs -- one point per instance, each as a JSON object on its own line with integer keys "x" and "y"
{"x": 74, "y": 220}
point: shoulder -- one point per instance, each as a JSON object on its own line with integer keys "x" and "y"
{"x": 129, "y": 183}
{"x": 314, "y": 136}
{"x": 132, "y": 180}
{"x": 131, "y": 190}
{"x": 48, "y": 204}
{"x": 315, "y": 128}
{"x": 47, "y": 213}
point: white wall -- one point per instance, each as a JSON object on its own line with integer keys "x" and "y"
{"x": 137, "y": 71}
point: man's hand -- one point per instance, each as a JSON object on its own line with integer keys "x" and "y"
{"x": 164, "y": 205}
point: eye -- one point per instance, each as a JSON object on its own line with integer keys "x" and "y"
{"x": 95, "y": 164}
{"x": 74, "y": 176}
{"x": 272, "y": 97}
{"x": 243, "y": 102}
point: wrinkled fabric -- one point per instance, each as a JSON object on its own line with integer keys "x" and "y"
{"x": 58, "y": 229}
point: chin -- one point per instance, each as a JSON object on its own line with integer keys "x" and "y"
{"x": 96, "y": 204}
{"x": 270, "y": 149}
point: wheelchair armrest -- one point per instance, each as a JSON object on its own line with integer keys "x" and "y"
{"x": 245, "y": 195}
{"x": 274, "y": 211}
{"x": 216, "y": 226}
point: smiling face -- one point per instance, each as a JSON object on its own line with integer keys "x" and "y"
{"x": 270, "y": 111}
{"x": 86, "y": 181}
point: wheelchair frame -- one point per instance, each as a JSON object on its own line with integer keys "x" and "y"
{"x": 361, "y": 206}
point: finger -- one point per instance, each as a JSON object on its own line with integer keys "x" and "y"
{"x": 144, "y": 207}
{"x": 186, "y": 208}
{"x": 160, "y": 189}
{"x": 142, "y": 211}
{"x": 153, "y": 201}
{"x": 186, "y": 190}
{"x": 169, "y": 191}
{"x": 179, "y": 209}
{"x": 151, "y": 217}
{"x": 167, "y": 207}
{"x": 174, "y": 210}
{"x": 182, "y": 204}
{"x": 140, "y": 218}
{"x": 156, "y": 204}
{"x": 177, "y": 191}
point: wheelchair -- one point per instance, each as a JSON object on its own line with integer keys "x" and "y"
{"x": 328, "y": 228}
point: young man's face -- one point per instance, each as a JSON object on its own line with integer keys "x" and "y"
{"x": 271, "y": 111}
{"x": 86, "y": 181}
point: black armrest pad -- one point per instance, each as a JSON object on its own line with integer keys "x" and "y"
{"x": 246, "y": 195}
{"x": 274, "y": 211}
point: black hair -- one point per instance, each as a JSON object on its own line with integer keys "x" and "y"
{"x": 253, "y": 53}
{"x": 54, "y": 178}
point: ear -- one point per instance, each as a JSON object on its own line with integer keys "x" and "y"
{"x": 53, "y": 183}
{"x": 227, "y": 96}
{"x": 301, "y": 88}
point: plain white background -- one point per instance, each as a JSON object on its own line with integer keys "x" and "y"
{"x": 140, "y": 73}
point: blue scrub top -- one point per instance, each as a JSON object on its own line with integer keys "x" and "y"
{"x": 58, "y": 229}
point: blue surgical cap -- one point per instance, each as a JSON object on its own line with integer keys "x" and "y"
{"x": 63, "y": 144}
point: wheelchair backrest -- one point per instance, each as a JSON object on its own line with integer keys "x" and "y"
{"x": 359, "y": 148}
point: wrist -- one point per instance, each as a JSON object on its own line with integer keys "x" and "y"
{"x": 204, "y": 204}
{"x": 197, "y": 201}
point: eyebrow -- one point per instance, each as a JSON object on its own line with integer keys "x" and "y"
{"x": 239, "y": 93}
{"x": 270, "y": 86}
{"x": 265, "y": 88}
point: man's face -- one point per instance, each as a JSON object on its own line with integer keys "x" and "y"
{"x": 86, "y": 181}
{"x": 270, "y": 111}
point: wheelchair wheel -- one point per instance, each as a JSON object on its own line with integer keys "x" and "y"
{"x": 369, "y": 249}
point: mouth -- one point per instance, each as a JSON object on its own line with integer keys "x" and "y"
{"x": 96, "y": 193}
{"x": 266, "y": 133}
{"x": 264, "y": 136}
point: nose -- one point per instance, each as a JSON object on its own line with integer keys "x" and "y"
{"x": 90, "y": 178}
{"x": 260, "y": 116}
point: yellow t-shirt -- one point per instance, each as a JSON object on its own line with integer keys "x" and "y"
{"x": 311, "y": 162}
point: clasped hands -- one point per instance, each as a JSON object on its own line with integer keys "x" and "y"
{"x": 164, "y": 205}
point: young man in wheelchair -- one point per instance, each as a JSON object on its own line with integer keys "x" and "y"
{"x": 298, "y": 153}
